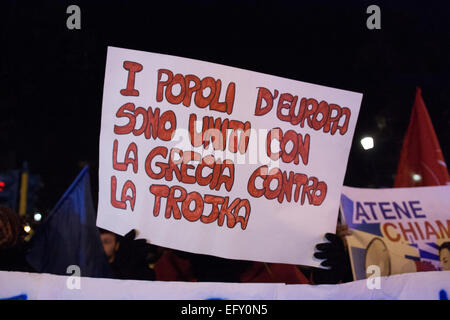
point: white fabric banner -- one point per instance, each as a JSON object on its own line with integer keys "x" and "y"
{"x": 211, "y": 159}
{"x": 34, "y": 286}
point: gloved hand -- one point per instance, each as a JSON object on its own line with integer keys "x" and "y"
{"x": 335, "y": 257}
{"x": 131, "y": 248}
{"x": 132, "y": 257}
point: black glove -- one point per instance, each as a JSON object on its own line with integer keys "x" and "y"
{"x": 336, "y": 258}
{"x": 132, "y": 258}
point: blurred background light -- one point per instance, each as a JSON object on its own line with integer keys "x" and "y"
{"x": 367, "y": 143}
{"x": 37, "y": 217}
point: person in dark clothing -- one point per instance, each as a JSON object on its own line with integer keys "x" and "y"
{"x": 177, "y": 265}
{"x": 129, "y": 258}
{"x": 110, "y": 243}
{"x": 12, "y": 244}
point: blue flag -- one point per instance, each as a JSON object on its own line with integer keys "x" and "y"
{"x": 69, "y": 235}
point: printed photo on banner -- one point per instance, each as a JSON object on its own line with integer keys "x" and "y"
{"x": 400, "y": 230}
{"x": 216, "y": 160}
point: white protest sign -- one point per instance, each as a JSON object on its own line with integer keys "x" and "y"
{"x": 211, "y": 159}
{"x": 37, "y": 286}
{"x": 399, "y": 230}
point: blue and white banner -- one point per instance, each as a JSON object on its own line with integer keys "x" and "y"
{"x": 397, "y": 230}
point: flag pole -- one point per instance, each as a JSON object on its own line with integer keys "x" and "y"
{"x": 23, "y": 190}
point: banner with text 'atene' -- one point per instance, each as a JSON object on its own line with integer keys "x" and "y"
{"x": 398, "y": 230}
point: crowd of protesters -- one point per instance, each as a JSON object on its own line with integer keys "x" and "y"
{"x": 131, "y": 258}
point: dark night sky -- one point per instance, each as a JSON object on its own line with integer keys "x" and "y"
{"x": 52, "y": 77}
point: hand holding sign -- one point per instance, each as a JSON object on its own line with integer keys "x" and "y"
{"x": 336, "y": 258}
{"x": 131, "y": 259}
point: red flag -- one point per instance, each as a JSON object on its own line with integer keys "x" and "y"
{"x": 421, "y": 160}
